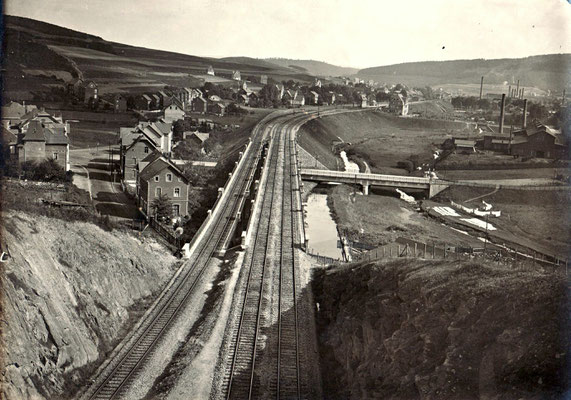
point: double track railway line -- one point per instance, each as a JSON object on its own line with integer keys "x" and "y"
{"x": 114, "y": 380}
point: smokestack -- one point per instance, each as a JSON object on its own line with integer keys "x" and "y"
{"x": 510, "y": 91}
{"x": 522, "y": 89}
{"x": 524, "y": 121}
{"x": 502, "y": 107}
{"x": 481, "y": 87}
{"x": 563, "y": 99}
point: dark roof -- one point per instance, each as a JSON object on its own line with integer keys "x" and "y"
{"x": 158, "y": 165}
{"x": 8, "y": 136}
{"x": 35, "y": 132}
{"x": 53, "y": 137}
{"x": 141, "y": 138}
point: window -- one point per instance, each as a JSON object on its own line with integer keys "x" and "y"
{"x": 156, "y": 178}
{"x": 169, "y": 177}
{"x": 176, "y": 192}
{"x": 55, "y": 156}
{"x": 146, "y": 150}
{"x": 176, "y": 210}
{"x": 134, "y": 160}
{"x": 158, "y": 192}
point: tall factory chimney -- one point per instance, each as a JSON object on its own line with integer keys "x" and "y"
{"x": 522, "y": 90}
{"x": 481, "y": 87}
{"x": 524, "y": 120}
{"x": 502, "y": 107}
{"x": 510, "y": 91}
{"x": 563, "y": 99}
{"x": 517, "y": 90}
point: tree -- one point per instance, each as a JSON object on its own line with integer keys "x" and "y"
{"x": 161, "y": 207}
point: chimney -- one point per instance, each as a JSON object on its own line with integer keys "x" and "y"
{"x": 524, "y": 120}
{"x": 502, "y": 107}
{"x": 522, "y": 89}
{"x": 481, "y": 87}
{"x": 510, "y": 91}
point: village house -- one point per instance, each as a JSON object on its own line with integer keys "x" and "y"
{"x": 317, "y": 83}
{"x": 465, "y": 146}
{"x": 264, "y": 79}
{"x": 134, "y": 153}
{"x": 217, "y": 108}
{"x": 210, "y": 71}
{"x": 173, "y": 113}
{"x": 39, "y": 142}
{"x": 91, "y": 92}
{"x": 155, "y": 102}
{"x": 160, "y": 177}
{"x": 75, "y": 88}
{"x": 142, "y": 102}
{"x": 9, "y": 143}
{"x": 236, "y": 76}
{"x": 119, "y": 104}
{"x": 199, "y": 105}
{"x": 398, "y": 104}
{"x": 13, "y": 113}
{"x": 196, "y": 139}
{"x": 313, "y": 97}
{"x": 364, "y": 101}
{"x": 166, "y": 99}
{"x": 298, "y": 99}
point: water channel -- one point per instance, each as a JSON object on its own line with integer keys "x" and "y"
{"x": 321, "y": 229}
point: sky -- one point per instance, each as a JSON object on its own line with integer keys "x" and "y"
{"x": 353, "y": 33}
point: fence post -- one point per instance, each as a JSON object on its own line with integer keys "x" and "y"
{"x": 383, "y": 252}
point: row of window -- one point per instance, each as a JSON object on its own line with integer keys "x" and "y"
{"x": 159, "y": 192}
{"x": 168, "y": 178}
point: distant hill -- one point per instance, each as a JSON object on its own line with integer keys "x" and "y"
{"x": 41, "y": 57}
{"x": 545, "y": 71}
{"x": 317, "y": 68}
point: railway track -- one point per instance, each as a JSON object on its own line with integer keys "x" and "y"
{"x": 115, "y": 378}
{"x": 255, "y": 337}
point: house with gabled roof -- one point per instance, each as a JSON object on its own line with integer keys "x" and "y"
{"x": 313, "y": 97}
{"x": 298, "y": 99}
{"x": 173, "y": 113}
{"x": 39, "y": 142}
{"x": 236, "y": 75}
{"x": 161, "y": 177}
{"x": 13, "y": 113}
{"x": 210, "y": 70}
{"x": 91, "y": 91}
{"x": 134, "y": 153}
{"x": 199, "y": 105}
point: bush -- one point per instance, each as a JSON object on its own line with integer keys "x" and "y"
{"x": 46, "y": 171}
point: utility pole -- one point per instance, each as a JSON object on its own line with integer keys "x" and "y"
{"x": 486, "y": 238}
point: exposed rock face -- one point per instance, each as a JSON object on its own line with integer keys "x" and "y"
{"x": 69, "y": 291}
{"x": 426, "y": 330}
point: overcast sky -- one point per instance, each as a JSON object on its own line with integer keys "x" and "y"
{"x": 353, "y": 33}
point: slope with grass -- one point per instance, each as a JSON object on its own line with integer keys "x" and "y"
{"x": 442, "y": 330}
{"x": 41, "y": 56}
{"x": 380, "y": 139}
{"x": 71, "y": 290}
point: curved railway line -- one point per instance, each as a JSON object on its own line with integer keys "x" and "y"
{"x": 115, "y": 378}
{"x": 243, "y": 380}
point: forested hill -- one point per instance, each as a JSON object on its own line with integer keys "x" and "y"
{"x": 546, "y": 71}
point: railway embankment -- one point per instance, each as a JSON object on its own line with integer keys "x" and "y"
{"x": 442, "y": 330}
{"x": 71, "y": 290}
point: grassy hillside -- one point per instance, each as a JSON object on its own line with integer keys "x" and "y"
{"x": 40, "y": 56}
{"x": 442, "y": 330}
{"x": 545, "y": 71}
{"x": 318, "y": 68}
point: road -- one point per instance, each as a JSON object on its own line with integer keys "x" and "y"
{"x": 92, "y": 173}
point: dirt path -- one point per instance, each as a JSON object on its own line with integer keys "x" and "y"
{"x": 484, "y": 195}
